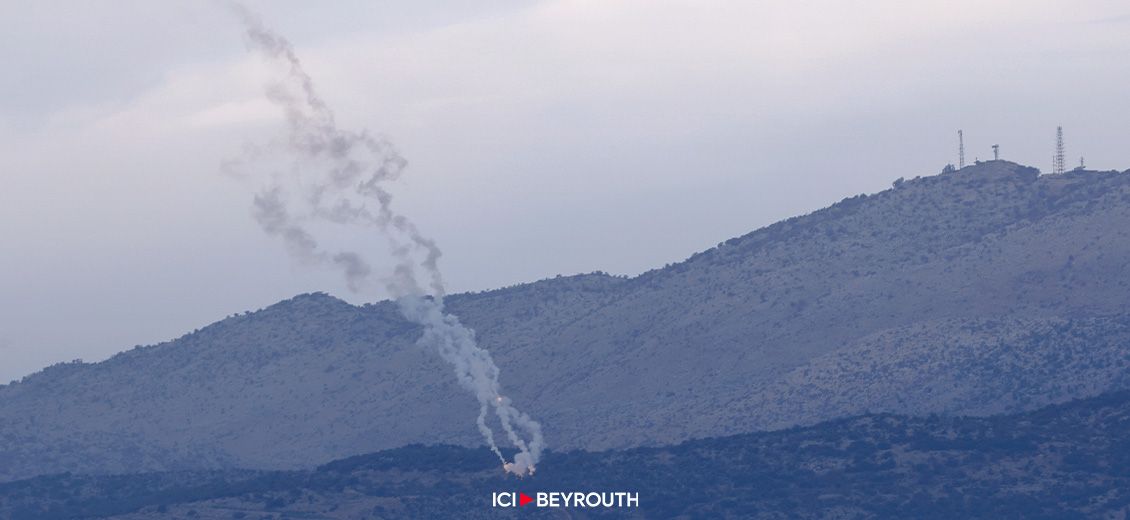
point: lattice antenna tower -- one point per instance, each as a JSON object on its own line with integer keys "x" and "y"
{"x": 960, "y": 150}
{"x": 1059, "y": 165}
{"x": 996, "y": 152}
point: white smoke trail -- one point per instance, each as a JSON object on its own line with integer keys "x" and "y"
{"x": 336, "y": 176}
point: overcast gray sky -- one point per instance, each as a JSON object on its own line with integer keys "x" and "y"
{"x": 543, "y": 137}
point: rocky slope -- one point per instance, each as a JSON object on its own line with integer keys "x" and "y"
{"x": 987, "y": 290}
{"x": 1066, "y": 461}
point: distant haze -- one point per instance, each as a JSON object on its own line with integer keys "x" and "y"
{"x": 542, "y": 137}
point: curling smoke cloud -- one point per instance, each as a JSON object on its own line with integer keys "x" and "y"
{"x": 318, "y": 174}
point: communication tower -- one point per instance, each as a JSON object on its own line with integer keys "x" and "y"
{"x": 960, "y": 150}
{"x": 1059, "y": 165}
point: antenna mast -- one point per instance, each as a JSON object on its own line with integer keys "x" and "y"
{"x": 996, "y": 152}
{"x": 1059, "y": 165}
{"x": 960, "y": 150}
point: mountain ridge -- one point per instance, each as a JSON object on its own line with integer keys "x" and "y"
{"x": 790, "y": 324}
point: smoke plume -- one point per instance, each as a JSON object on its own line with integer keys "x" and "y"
{"x": 320, "y": 175}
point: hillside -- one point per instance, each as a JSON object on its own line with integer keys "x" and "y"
{"x": 988, "y": 290}
{"x": 1066, "y": 461}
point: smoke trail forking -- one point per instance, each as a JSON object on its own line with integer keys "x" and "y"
{"x": 336, "y": 176}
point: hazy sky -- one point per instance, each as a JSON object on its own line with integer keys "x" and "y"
{"x": 543, "y": 137}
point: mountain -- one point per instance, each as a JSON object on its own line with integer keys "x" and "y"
{"x": 1064, "y": 461}
{"x": 989, "y": 290}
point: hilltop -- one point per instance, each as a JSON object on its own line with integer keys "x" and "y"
{"x": 989, "y": 290}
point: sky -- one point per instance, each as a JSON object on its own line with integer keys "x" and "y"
{"x": 543, "y": 137}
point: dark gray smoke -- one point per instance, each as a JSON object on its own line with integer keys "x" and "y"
{"x": 332, "y": 176}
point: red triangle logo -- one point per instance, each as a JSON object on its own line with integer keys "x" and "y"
{"x": 524, "y": 499}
